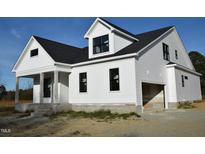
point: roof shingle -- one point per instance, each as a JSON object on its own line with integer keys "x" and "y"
{"x": 69, "y": 54}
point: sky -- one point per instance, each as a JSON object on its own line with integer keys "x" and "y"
{"x": 15, "y": 33}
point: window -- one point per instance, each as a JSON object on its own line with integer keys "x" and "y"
{"x": 114, "y": 79}
{"x": 186, "y": 77}
{"x": 100, "y": 44}
{"x": 34, "y": 53}
{"x": 165, "y": 51}
{"x": 47, "y": 87}
{"x": 182, "y": 80}
{"x": 83, "y": 82}
{"x": 176, "y": 54}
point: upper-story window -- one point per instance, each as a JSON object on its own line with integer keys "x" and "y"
{"x": 166, "y": 52}
{"x": 176, "y": 54}
{"x": 101, "y": 44}
{"x": 33, "y": 52}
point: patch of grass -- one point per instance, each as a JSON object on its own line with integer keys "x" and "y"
{"x": 185, "y": 106}
{"x": 101, "y": 114}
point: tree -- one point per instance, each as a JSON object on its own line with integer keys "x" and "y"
{"x": 198, "y": 61}
{"x": 2, "y": 91}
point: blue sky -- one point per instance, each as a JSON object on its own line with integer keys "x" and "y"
{"x": 15, "y": 32}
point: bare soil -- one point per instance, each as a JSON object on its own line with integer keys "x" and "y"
{"x": 178, "y": 122}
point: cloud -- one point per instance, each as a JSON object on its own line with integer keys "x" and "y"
{"x": 15, "y": 33}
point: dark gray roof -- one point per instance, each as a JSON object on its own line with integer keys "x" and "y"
{"x": 69, "y": 54}
{"x": 63, "y": 53}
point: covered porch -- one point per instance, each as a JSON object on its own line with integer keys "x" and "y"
{"x": 51, "y": 86}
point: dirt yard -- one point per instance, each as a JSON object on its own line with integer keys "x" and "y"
{"x": 179, "y": 122}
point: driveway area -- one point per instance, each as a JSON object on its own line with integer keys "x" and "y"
{"x": 171, "y": 123}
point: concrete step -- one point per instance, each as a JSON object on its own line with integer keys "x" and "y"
{"x": 43, "y": 109}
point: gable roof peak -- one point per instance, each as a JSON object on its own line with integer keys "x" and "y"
{"x": 113, "y": 27}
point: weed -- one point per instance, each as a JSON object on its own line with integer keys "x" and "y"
{"x": 185, "y": 105}
{"x": 100, "y": 114}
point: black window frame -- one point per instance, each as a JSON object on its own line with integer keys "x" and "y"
{"x": 176, "y": 54}
{"x": 47, "y": 87}
{"x": 34, "y": 52}
{"x": 114, "y": 83}
{"x": 99, "y": 42}
{"x": 182, "y": 78}
{"x": 166, "y": 54}
{"x": 82, "y": 83}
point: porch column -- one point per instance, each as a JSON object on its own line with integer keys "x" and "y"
{"x": 41, "y": 87}
{"x": 17, "y": 91}
{"x": 55, "y": 90}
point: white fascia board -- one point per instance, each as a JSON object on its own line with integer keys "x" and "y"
{"x": 109, "y": 26}
{"x": 22, "y": 53}
{"x": 91, "y": 27}
{"x": 184, "y": 69}
{"x": 186, "y": 53}
{"x": 155, "y": 40}
{"x": 104, "y": 59}
{"x": 62, "y": 64}
{"x": 32, "y": 38}
{"x": 35, "y": 71}
{"x": 126, "y": 35}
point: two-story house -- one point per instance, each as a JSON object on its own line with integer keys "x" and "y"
{"x": 117, "y": 69}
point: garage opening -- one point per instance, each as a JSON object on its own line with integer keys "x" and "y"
{"x": 153, "y": 96}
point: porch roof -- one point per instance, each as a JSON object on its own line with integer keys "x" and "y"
{"x": 57, "y": 67}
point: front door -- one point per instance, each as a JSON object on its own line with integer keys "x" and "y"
{"x": 47, "y": 90}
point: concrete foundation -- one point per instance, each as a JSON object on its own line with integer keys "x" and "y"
{"x": 114, "y": 108}
{"x": 30, "y": 107}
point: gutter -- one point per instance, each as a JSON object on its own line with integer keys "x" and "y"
{"x": 104, "y": 59}
{"x": 97, "y": 60}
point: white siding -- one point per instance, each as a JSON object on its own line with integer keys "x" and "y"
{"x": 120, "y": 42}
{"x": 171, "y": 85}
{"x": 98, "y": 30}
{"x": 174, "y": 42}
{"x": 116, "y": 42}
{"x": 27, "y": 63}
{"x": 98, "y": 90}
{"x": 36, "y": 89}
{"x": 191, "y": 90}
{"x": 151, "y": 67}
{"x": 63, "y": 87}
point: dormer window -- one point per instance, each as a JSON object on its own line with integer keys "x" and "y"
{"x": 34, "y": 52}
{"x": 101, "y": 44}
